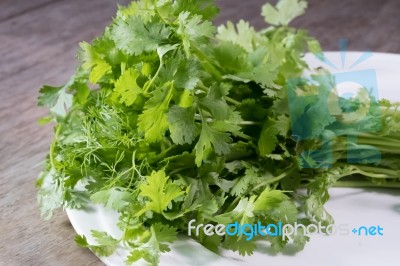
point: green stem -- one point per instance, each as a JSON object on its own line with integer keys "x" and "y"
{"x": 148, "y": 85}
{"x": 379, "y": 170}
{"x": 275, "y": 179}
{"x": 238, "y": 134}
{"x": 201, "y": 86}
{"x": 369, "y": 136}
{"x": 118, "y": 177}
{"x": 161, "y": 156}
{"x": 134, "y": 168}
{"x": 244, "y": 136}
{"x": 53, "y": 146}
{"x": 365, "y": 183}
{"x": 387, "y": 143}
{"x": 232, "y": 101}
{"x": 250, "y": 123}
{"x": 370, "y": 171}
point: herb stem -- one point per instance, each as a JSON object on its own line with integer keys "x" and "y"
{"x": 379, "y": 170}
{"x": 275, "y": 179}
{"x": 370, "y": 171}
{"x": 53, "y": 146}
{"x": 201, "y": 86}
{"x": 365, "y": 184}
{"x": 249, "y": 123}
{"x": 232, "y": 101}
{"x": 150, "y": 83}
{"x": 244, "y": 136}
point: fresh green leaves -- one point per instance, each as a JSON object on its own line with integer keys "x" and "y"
{"x": 153, "y": 121}
{"x": 159, "y": 191}
{"x": 151, "y": 246}
{"x": 284, "y": 12}
{"x": 113, "y": 198}
{"x": 244, "y": 35}
{"x": 193, "y": 30}
{"x": 126, "y": 87}
{"x": 166, "y": 120}
{"x": 268, "y": 139}
{"x": 93, "y": 61}
{"x": 106, "y": 244}
{"x": 211, "y": 140}
{"x": 49, "y": 194}
{"x": 185, "y": 72}
{"x": 57, "y": 99}
{"x": 134, "y": 36}
{"x": 214, "y": 102}
{"x": 204, "y": 8}
{"x": 182, "y": 125}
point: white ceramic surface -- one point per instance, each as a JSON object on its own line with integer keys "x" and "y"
{"x": 353, "y": 207}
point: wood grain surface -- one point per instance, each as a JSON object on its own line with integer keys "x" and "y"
{"x": 38, "y": 42}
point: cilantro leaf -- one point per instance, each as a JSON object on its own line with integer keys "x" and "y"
{"x": 184, "y": 72}
{"x": 126, "y": 87}
{"x": 81, "y": 241}
{"x": 160, "y": 192}
{"x": 268, "y": 139}
{"x": 181, "y": 125}
{"x": 243, "y": 183}
{"x": 164, "y": 234}
{"x": 91, "y": 59}
{"x": 106, "y": 244}
{"x": 243, "y": 213}
{"x": 276, "y": 205}
{"x": 193, "y": 29}
{"x": 49, "y": 194}
{"x": 136, "y": 8}
{"x": 215, "y": 103}
{"x": 284, "y": 11}
{"x": 114, "y": 198}
{"x": 157, "y": 243}
{"x": 48, "y": 96}
{"x": 56, "y": 99}
{"x": 231, "y": 58}
{"x": 211, "y": 140}
{"x": 244, "y": 36}
{"x": 153, "y": 121}
{"x": 103, "y": 238}
{"x": 204, "y": 8}
{"x": 135, "y": 37}
{"x": 241, "y": 245}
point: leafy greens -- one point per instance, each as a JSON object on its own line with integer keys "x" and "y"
{"x": 169, "y": 119}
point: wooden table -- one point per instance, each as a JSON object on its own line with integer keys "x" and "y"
{"x": 38, "y": 42}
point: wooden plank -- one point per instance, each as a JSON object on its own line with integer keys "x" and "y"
{"x": 54, "y": 28}
{"x": 37, "y": 47}
{"x": 14, "y": 8}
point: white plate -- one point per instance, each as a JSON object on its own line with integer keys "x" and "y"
{"x": 353, "y": 207}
